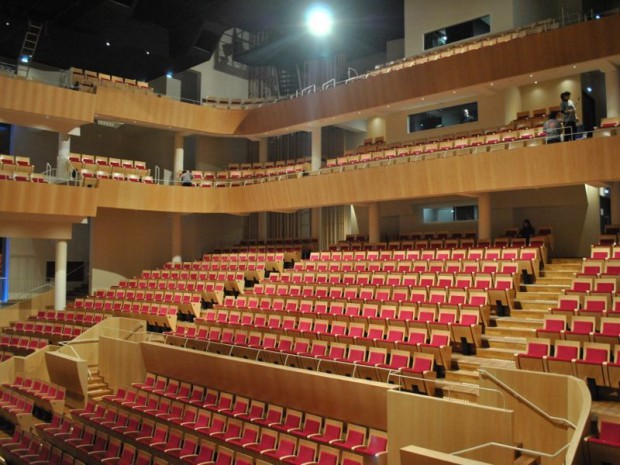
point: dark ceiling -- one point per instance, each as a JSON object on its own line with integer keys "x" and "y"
{"x": 148, "y": 38}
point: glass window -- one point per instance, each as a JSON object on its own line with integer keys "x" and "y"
{"x": 443, "y": 117}
{"x": 457, "y": 32}
{"x": 450, "y": 214}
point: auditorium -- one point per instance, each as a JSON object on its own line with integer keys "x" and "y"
{"x": 354, "y": 232}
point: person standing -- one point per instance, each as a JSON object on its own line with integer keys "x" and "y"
{"x": 567, "y": 107}
{"x": 553, "y": 128}
{"x": 186, "y": 178}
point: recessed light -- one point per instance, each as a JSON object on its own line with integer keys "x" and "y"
{"x": 7, "y": 23}
{"x": 107, "y": 44}
{"x": 492, "y": 83}
{"x": 531, "y": 75}
{"x": 574, "y": 66}
{"x": 535, "y": 82}
{"x": 454, "y": 91}
{"x": 148, "y": 53}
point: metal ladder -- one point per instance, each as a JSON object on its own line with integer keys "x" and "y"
{"x": 29, "y": 46}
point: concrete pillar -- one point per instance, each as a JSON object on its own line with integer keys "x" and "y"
{"x": 177, "y": 238}
{"x": 178, "y": 156}
{"x": 263, "y": 150}
{"x": 315, "y": 226}
{"x": 614, "y": 191}
{"x": 62, "y": 159}
{"x": 612, "y": 91}
{"x": 316, "y": 149}
{"x": 60, "y": 292}
{"x": 484, "y": 216}
{"x": 263, "y": 156}
{"x": 374, "y": 233}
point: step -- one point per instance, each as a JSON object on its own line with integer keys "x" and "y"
{"x": 529, "y": 296}
{"x": 536, "y": 304}
{"x": 463, "y": 376}
{"x": 516, "y": 344}
{"x": 563, "y": 280}
{"x": 543, "y": 287}
{"x": 95, "y": 386}
{"x": 514, "y": 322}
{"x": 510, "y": 332}
{"x": 99, "y": 393}
{"x": 492, "y": 353}
{"x": 534, "y": 313}
{"x": 459, "y": 391}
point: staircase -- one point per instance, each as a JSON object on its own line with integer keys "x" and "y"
{"x": 29, "y": 46}
{"x": 97, "y": 387}
{"x": 288, "y": 80}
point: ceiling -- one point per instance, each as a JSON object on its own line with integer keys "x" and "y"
{"x": 148, "y": 38}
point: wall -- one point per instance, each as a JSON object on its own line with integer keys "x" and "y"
{"x": 492, "y": 111}
{"x": 119, "y": 235}
{"x": 217, "y": 84}
{"x": 529, "y": 11}
{"x": 547, "y": 94}
{"x": 41, "y": 146}
{"x": 213, "y": 153}
{"x": 422, "y": 16}
{"x": 572, "y": 212}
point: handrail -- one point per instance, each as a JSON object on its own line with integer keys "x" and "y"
{"x": 555, "y": 420}
{"x": 515, "y": 448}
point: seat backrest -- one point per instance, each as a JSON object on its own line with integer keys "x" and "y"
{"x": 609, "y": 431}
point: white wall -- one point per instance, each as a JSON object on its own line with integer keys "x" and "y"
{"x": 217, "y": 84}
{"x": 422, "y": 16}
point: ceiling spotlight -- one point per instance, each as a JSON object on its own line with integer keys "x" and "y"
{"x": 107, "y": 44}
{"x": 319, "y": 20}
{"x": 24, "y": 59}
{"x": 7, "y": 23}
{"x": 589, "y": 89}
{"x": 169, "y": 74}
{"x": 148, "y": 53}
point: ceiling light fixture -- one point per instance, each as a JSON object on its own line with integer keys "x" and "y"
{"x": 319, "y": 20}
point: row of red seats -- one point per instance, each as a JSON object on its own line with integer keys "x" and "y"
{"x": 25, "y": 447}
{"x": 47, "y": 397}
{"x": 82, "y": 318}
{"x": 444, "y": 276}
{"x": 582, "y": 328}
{"x": 223, "y": 416}
{"x": 44, "y": 331}
{"x": 380, "y": 328}
{"x": 314, "y": 350}
{"x": 200, "y": 285}
{"x": 198, "y": 269}
{"x": 591, "y": 360}
{"x": 472, "y": 253}
{"x": 21, "y": 345}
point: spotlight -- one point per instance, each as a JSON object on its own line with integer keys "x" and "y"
{"x": 107, "y": 44}
{"x": 319, "y": 20}
{"x": 597, "y": 17}
{"x": 169, "y": 74}
{"x": 589, "y": 89}
{"x": 24, "y": 59}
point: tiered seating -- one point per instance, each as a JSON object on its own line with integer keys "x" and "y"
{"x": 47, "y": 397}
{"x": 18, "y": 168}
{"x": 251, "y": 173}
{"x": 21, "y": 345}
{"x": 179, "y": 423}
{"x": 90, "y": 79}
{"x": 26, "y": 448}
{"x": 605, "y": 446}
{"x": 42, "y": 333}
{"x": 478, "y": 141}
{"x": 88, "y": 169}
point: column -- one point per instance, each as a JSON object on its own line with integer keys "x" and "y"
{"x": 374, "y": 233}
{"x": 178, "y": 156}
{"x": 60, "y": 292}
{"x": 484, "y": 216}
{"x": 316, "y": 149}
{"x": 263, "y": 156}
{"x": 62, "y": 159}
{"x": 315, "y": 226}
{"x": 612, "y": 91}
{"x": 177, "y": 238}
{"x": 614, "y": 191}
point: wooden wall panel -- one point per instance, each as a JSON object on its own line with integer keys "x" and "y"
{"x": 351, "y": 400}
{"x": 447, "y": 426}
{"x": 165, "y": 113}
{"x": 591, "y": 160}
{"x": 31, "y": 103}
{"x": 40, "y": 200}
{"x": 592, "y": 40}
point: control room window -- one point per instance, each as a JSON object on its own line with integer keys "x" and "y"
{"x": 457, "y": 32}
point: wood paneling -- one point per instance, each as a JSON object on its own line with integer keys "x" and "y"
{"x": 447, "y": 426}
{"x": 165, "y": 113}
{"x": 41, "y": 200}
{"x": 586, "y": 161}
{"x": 589, "y": 41}
{"x": 351, "y": 400}
{"x": 31, "y": 103}
{"x": 413, "y": 455}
